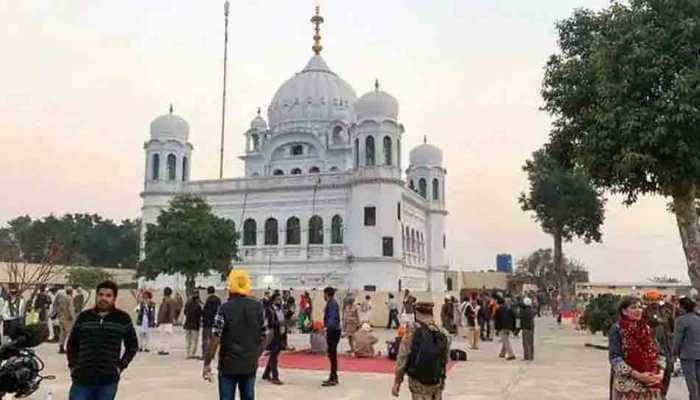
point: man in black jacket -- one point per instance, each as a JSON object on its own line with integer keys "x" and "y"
{"x": 211, "y": 307}
{"x": 239, "y": 330}
{"x": 94, "y": 347}
{"x": 193, "y": 321}
{"x": 527, "y": 324}
{"x": 505, "y": 325}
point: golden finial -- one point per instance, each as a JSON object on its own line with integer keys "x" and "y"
{"x": 317, "y": 20}
{"x": 171, "y": 108}
{"x": 425, "y": 139}
{"x": 376, "y": 84}
{"x": 258, "y": 111}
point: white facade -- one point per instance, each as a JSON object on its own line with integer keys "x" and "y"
{"x": 323, "y": 200}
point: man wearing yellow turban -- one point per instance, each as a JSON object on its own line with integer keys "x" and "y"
{"x": 240, "y": 346}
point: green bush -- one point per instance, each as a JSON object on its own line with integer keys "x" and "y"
{"x": 601, "y": 313}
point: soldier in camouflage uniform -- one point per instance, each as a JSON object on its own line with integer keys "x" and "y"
{"x": 419, "y": 391}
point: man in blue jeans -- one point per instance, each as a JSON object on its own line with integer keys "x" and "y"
{"x": 94, "y": 348}
{"x": 239, "y": 335}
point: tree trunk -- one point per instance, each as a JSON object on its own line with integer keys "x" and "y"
{"x": 562, "y": 275}
{"x": 689, "y": 230}
{"x": 189, "y": 285}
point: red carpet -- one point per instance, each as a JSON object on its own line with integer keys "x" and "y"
{"x": 346, "y": 363}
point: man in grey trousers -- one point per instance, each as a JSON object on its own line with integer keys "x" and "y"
{"x": 686, "y": 346}
{"x": 527, "y": 325}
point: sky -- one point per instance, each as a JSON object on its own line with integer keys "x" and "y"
{"x": 81, "y": 81}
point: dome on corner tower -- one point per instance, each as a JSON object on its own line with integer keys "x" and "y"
{"x": 426, "y": 155}
{"x": 315, "y": 93}
{"x": 376, "y": 104}
{"x": 258, "y": 123}
{"x": 170, "y": 126}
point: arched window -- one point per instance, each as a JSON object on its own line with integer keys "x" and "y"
{"x": 296, "y": 171}
{"x": 436, "y": 189}
{"x": 314, "y": 170}
{"x": 250, "y": 232}
{"x": 387, "y": 150}
{"x": 369, "y": 151}
{"x": 155, "y": 171}
{"x": 337, "y": 230}
{"x": 423, "y": 187}
{"x": 184, "y": 168}
{"x": 316, "y": 230}
{"x": 412, "y": 186}
{"x": 338, "y": 135}
{"x": 357, "y": 153}
{"x": 256, "y": 142}
{"x": 278, "y": 172}
{"x": 271, "y": 232}
{"x": 293, "y": 231}
{"x": 172, "y": 167}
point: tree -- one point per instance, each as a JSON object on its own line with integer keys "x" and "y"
{"x": 539, "y": 269}
{"x": 88, "y": 278}
{"x": 190, "y": 240}
{"x": 625, "y": 93}
{"x": 564, "y": 203}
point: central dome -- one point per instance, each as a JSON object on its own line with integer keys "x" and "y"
{"x": 314, "y": 94}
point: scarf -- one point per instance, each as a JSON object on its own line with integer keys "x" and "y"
{"x": 639, "y": 346}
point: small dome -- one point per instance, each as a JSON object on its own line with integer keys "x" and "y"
{"x": 170, "y": 126}
{"x": 426, "y": 155}
{"x": 315, "y": 93}
{"x": 258, "y": 123}
{"x": 376, "y": 104}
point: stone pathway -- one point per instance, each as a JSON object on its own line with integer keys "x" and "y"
{"x": 563, "y": 369}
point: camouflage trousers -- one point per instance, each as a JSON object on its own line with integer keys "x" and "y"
{"x": 420, "y": 391}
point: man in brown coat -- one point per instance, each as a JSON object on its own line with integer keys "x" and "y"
{"x": 65, "y": 313}
{"x": 167, "y": 314}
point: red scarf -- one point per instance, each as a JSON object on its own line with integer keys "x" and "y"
{"x": 639, "y": 346}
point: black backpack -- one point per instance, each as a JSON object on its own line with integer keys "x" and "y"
{"x": 427, "y": 361}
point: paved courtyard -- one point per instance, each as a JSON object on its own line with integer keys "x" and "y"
{"x": 563, "y": 369}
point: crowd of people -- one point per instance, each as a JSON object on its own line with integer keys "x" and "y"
{"x": 651, "y": 333}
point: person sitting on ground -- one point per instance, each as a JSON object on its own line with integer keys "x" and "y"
{"x": 364, "y": 342}
{"x": 317, "y": 339}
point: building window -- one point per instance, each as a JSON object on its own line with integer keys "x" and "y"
{"x": 423, "y": 188}
{"x": 184, "y": 168}
{"x": 413, "y": 241}
{"x": 256, "y": 142}
{"x": 398, "y": 211}
{"x": 369, "y": 151}
{"x": 387, "y": 150}
{"x": 444, "y": 241}
{"x": 436, "y": 189}
{"x": 357, "y": 153}
{"x": 271, "y": 232}
{"x": 296, "y": 171}
{"x": 370, "y": 216}
{"x": 388, "y": 246}
{"x": 278, "y": 172}
{"x": 297, "y": 150}
{"x": 337, "y": 230}
{"x": 155, "y": 173}
{"x": 316, "y": 230}
{"x": 250, "y": 232}
{"x": 334, "y": 169}
{"x": 411, "y": 185}
{"x": 314, "y": 170}
{"x": 293, "y": 231}
{"x": 172, "y": 167}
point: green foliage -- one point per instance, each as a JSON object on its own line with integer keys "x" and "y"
{"x": 188, "y": 239}
{"x": 538, "y": 269}
{"x": 564, "y": 202}
{"x": 88, "y": 278}
{"x": 83, "y": 239}
{"x": 601, "y": 313}
{"x": 625, "y": 91}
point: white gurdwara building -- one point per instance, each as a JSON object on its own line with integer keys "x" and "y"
{"x": 323, "y": 200}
